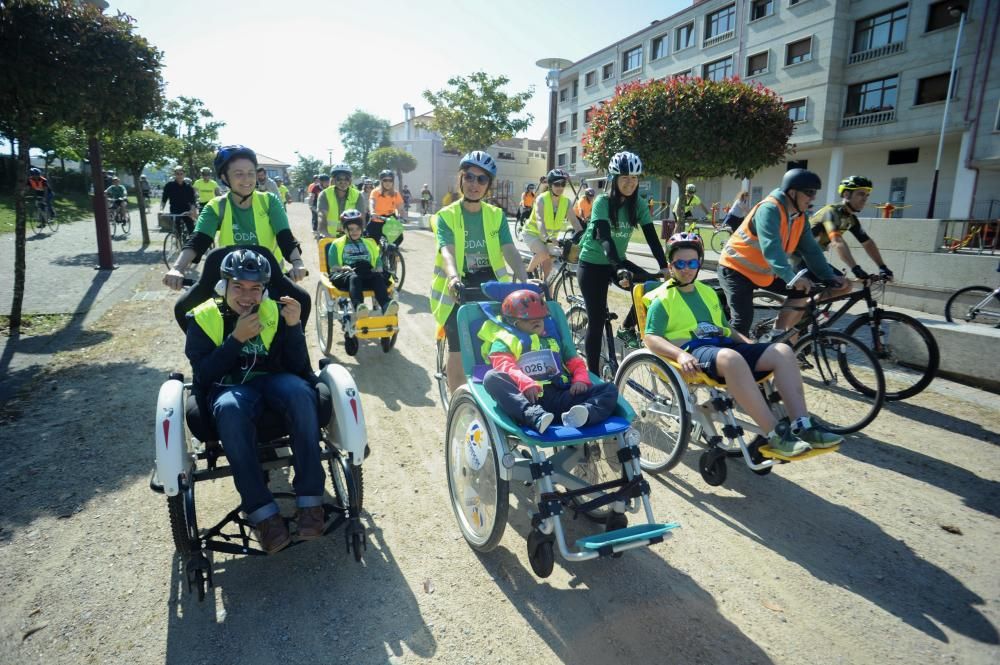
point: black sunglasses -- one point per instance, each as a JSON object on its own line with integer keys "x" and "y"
{"x": 472, "y": 177}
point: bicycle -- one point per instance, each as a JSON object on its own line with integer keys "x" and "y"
{"x": 561, "y": 282}
{"x": 720, "y": 232}
{"x": 978, "y": 305}
{"x": 905, "y": 348}
{"x": 463, "y": 294}
{"x": 119, "y": 215}
{"x": 175, "y": 239}
{"x": 41, "y": 217}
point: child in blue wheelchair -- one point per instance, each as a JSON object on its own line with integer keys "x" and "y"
{"x": 535, "y": 374}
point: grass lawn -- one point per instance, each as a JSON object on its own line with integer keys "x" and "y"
{"x": 707, "y": 233}
{"x": 69, "y": 208}
{"x": 36, "y": 324}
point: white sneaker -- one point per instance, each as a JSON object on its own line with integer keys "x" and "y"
{"x": 576, "y": 417}
{"x": 391, "y": 309}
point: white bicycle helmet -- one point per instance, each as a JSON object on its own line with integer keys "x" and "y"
{"x": 625, "y": 163}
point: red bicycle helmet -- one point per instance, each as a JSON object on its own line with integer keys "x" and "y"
{"x": 685, "y": 240}
{"x": 524, "y": 304}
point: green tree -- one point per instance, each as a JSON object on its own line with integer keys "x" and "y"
{"x": 475, "y": 113}
{"x": 360, "y": 134}
{"x": 394, "y": 159}
{"x": 674, "y": 126}
{"x": 187, "y": 119}
{"x": 133, "y": 151}
{"x": 304, "y": 170}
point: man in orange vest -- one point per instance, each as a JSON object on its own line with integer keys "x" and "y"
{"x": 757, "y": 255}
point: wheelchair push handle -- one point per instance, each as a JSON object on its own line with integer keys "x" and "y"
{"x": 464, "y": 294}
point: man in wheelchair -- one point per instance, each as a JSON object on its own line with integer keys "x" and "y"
{"x": 685, "y": 323}
{"x": 534, "y": 374}
{"x": 247, "y": 352}
{"x": 355, "y": 266}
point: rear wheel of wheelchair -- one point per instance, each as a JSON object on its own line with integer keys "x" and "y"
{"x": 541, "y": 553}
{"x": 324, "y": 319}
{"x": 183, "y": 521}
{"x": 479, "y": 495}
{"x": 651, "y": 387}
{"x": 351, "y": 345}
{"x": 712, "y": 466}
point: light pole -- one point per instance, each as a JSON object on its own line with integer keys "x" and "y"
{"x": 329, "y": 157}
{"x": 953, "y": 10}
{"x": 552, "y": 66}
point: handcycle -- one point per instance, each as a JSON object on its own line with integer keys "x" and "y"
{"x": 40, "y": 218}
{"x": 392, "y": 258}
{"x": 188, "y": 451}
{"x": 119, "y": 216}
{"x": 905, "y": 348}
{"x": 334, "y": 305}
{"x": 485, "y": 451}
{"x": 975, "y": 304}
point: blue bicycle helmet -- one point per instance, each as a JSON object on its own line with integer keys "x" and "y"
{"x": 481, "y": 159}
{"x": 227, "y": 154}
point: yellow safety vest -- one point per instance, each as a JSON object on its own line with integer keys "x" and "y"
{"x": 333, "y": 210}
{"x": 341, "y": 242}
{"x": 209, "y": 318}
{"x": 553, "y": 220}
{"x": 680, "y": 319}
{"x": 284, "y": 193}
{"x": 441, "y": 300}
{"x": 206, "y": 190}
{"x": 261, "y": 221}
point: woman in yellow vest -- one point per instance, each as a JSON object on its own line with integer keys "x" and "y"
{"x": 474, "y": 247}
{"x": 334, "y": 201}
{"x": 243, "y": 216}
{"x": 355, "y": 266}
{"x": 685, "y": 323}
{"x": 551, "y": 213}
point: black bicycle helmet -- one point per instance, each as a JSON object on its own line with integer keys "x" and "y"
{"x": 557, "y": 175}
{"x": 227, "y": 154}
{"x": 386, "y": 173}
{"x": 245, "y": 264}
{"x": 799, "y": 180}
{"x": 323, "y": 177}
{"x": 853, "y": 182}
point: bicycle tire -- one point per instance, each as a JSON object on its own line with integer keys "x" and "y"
{"x": 324, "y": 319}
{"x": 651, "y": 387}
{"x": 565, "y": 288}
{"x": 842, "y": 406}
{"x": 963, "y": 306}
{"x": 127, "y": 223}
{"x": 171, "y": 249}
{"x": 442, "y": 373}
{"x": 52, "y": 222}
{"x": 576, "y": 319}
{"x": 720, "y": 239}
{"x": 891, "y": 344}
{"x": 37, "y": 220}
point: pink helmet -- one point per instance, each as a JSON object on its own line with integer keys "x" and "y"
{"x": 685, "y": 240}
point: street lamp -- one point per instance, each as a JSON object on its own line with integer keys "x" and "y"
{"x": 955, "y": 10}
{"x": 329, "y": 157}
{"x": 553, "y": 65}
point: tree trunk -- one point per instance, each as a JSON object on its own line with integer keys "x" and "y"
{"x": 105, "y": 259}
{"x": 140, "y": 197}
{"x": 20, "y": 224}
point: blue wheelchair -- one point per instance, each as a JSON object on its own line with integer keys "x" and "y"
{"x": 592, "y": 471}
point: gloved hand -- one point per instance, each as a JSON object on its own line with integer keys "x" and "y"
{"x": 859, "y": 272}
{"x": 885, "y": 272}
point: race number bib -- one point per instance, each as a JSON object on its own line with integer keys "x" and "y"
{"x": 539, "y": 365}
{"x": 476, "y": 262}
{"x": 706, "y": 330}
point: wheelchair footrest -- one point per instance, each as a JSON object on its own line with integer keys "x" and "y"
{"x": 767, "y": 452}
{"x": 372, "y": 327}
{"x": 630, "y": 534}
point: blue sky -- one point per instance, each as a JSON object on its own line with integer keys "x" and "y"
{"x": 284, "y": 75}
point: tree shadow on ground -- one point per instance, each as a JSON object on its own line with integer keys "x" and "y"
{"x": 943, "y": 421}
{"x": 121, "y": 257}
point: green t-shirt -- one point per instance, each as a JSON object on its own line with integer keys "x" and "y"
{"x": 244, "y": 229}
{"x": 116, "y": 192}
{"x": 591, "y": 250}
{"x": 657, "y": 318}
{"x": 355, "y": 251}
{"x": 476, "y": 255}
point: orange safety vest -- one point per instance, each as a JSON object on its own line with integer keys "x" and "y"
{"x": 528, "y": 199}
{"x": 743, "y": 254}
{"x": 583, "y": 208}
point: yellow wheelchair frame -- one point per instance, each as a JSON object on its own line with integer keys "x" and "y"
{"x": 671, "y": 410}
{"x": 332, "y": 304}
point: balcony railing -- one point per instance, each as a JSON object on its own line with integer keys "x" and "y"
{"x": 718, "y": 39}
{"x": 878, "y": 52}
{"x": 868, "y": 119}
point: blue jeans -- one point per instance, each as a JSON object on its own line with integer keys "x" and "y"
{"x": 238, "y": 408}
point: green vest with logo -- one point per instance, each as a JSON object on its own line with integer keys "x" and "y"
{"x": 261, "y": 219}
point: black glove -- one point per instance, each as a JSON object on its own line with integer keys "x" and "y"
{"x": 885, "y": 272}
{"x": 859, "y": 272}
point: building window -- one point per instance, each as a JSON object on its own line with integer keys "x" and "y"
{"x": 509, "y": 156}
{"x": 939, "y": 15}
{"x": 757, "y": 64}
{"x": 904, "y": 156}
{"x": 879, "y": 30}
{"x": 796, "y": 110}
{"x": 588, "y": 115}
{"x": 576, "y": 88}
{"x": 562, "y": 127}
{"x": 872, "y": 96}
{"x": 572, "y": 155}
{"x": 589, "y": 79}
{"x": 561, "y": 159}
{"x": 684, "y": 36}
{"x": 718, "y": 70}
{"x": 684, "y": 74}
{"x": 573, "y": 122}
{"x": 720, "y": 22}
{"x": 800, "y": 51}
{"x": 632, "y": 59}
{"x": 607, "y": 71}
{"x": 761, "y": 8}
{"x": 563, "y": 94}
{"x": 934, "y": 88}
{"x": 658, "y": 47}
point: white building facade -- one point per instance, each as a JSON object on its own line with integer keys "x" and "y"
{"x": 864, "y": 80}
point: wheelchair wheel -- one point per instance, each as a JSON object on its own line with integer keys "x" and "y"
{"x": 541, "y": 555}
{"x": 479, "y": 496}
{"x": 442, "y": 374}
{"x": 324, "y": 319}
{"x": 183, "y": 522}
{"x": 662, "y": 419}
{"x": 351, "y": 345}
{"x": 388, "y": 342}
{"x": 712, "y": 466}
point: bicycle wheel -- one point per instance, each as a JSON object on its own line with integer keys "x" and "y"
{"x": 576, "y": 318}
{"x": 324, "y": 319}
{"x": 52, "y": 222}
{"x": 397, "y": 266}
{"x": 843, "y": 382}
{"x": 978, "y": 305}
{"x": 720, "y": 239}
{"x": 441, "y": 375}
{"x": 651, "y": 387}
{"x": 565, "y": 287}
{"x": 126, "y": 222}
{"x": 904, "y": 347}
{"x": 36, "y": 221}
{"x": 171, "y": 248}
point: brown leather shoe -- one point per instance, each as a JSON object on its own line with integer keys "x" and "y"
{"x": 272, "y": 534}
{"x": 310, "y": 522}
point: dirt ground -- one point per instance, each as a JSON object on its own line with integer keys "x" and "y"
{"x": 884, "y": 553}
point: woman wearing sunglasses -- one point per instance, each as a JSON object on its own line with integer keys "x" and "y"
{"x": 602, "y": 252}
{"x": 474, "y": 247}
{"x": 384, "y": 202}
{"x": 685, "y": 323}
{"x": 552, "y": 213}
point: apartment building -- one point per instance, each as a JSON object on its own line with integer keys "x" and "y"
{"x": 864, "y": 81}
{"x": 519, "y": 161}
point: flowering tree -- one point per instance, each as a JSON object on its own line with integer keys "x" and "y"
{"x": 685, "y": 128}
